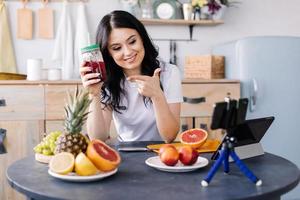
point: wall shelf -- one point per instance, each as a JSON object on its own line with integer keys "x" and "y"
{"x": 181, "y": 22}
{"x": 174, "y": 22}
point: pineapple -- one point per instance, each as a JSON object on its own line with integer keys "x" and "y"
{"x": 71, "y": 140}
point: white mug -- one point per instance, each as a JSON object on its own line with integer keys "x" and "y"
{"x": 54, "y": 74}
{"x": 34, "y": 69}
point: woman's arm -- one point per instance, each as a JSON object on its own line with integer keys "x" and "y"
{"x": 167, "y": 115}
{"x": 99, "y": 120}
{"x": 167, "y": 118}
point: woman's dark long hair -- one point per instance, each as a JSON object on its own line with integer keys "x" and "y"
{"x": 112, "y": 91}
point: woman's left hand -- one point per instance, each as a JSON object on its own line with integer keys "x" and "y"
{"x": 148, "y": 86}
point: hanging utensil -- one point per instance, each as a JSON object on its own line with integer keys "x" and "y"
{"x": 24, "y": 23}
{"x": 174, "y": 53}
{"x": 45, "y": 21}
{"x": 173, "y": 58}
{"x": 2, "y": 137}
{"x": 171, "y": 51}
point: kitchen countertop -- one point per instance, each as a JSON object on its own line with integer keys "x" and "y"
{"x": 78, "y": 81}
{"x": 25, "y": 82}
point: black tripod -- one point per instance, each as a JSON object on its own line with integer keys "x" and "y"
{"x": 228, "y": 115}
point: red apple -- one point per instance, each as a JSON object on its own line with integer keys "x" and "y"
{"x": 169, "y": 156}
{"x": 188, "y": 155}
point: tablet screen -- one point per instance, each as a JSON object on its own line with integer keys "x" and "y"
{"x": 249, "y": 132}
{"x": 252, "y": 131}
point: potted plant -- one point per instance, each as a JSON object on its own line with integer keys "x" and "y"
{"x": 197, "y": 6}
{"x": 217, "y": 9}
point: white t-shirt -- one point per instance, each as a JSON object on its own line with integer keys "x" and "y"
{"x": 138, "y": 122}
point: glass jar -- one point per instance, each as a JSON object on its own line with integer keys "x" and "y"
{"x": 147, "y": 12}
{"x": 93, "y": 58}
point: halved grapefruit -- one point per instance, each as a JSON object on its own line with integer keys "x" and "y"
{"x": 103, "y": 157}
{"x": 193, "y": 137}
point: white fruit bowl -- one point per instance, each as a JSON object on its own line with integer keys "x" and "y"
{"x": 42, "y": 158}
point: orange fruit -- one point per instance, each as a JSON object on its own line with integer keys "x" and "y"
{"x": 164, "y": 147}
{"x": 169, "y": 156}
{"x": 84, "y": 166}
{"x": 193, "y": 137}
{"x": 62, "y": 163}
{"x": 103, "y": 157}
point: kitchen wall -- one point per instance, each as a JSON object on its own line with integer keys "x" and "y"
{"x": 248, "y": 18}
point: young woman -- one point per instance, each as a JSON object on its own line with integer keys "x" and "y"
{"x": 141, "y": 94}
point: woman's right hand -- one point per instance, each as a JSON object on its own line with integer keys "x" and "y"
{"x": 91, "y": 81}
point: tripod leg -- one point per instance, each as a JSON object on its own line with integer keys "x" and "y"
{"x": 226, "y": 161}
{"x": 214, "y": 168}
{"x": 245, "y": 169}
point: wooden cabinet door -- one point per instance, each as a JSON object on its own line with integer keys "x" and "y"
{"x": 212, "y": 92}
{"x": 204, "y": 123}
{"x": 21, "y": 137}
{"x": 58, "y": 125}
{"x": 54, "y": 125}
{"x": 22, "y": 102}
{"x": 55, "y": 98}
{"x": 21, "y": 115}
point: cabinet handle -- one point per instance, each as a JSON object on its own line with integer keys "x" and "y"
{"x": 203, "y": 126}
{"x": 184, "y": 127}
{"x": 253, "y": 94}
{"x": 194, "y": 100}
{"x": 2, "y": 102}
{"x": 2, "y": 137}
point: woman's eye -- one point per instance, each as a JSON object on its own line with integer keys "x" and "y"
{"x": 132, "y": 42}
{"x": 116, "y": 48}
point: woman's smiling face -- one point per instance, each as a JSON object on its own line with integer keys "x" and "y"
{"x": 126, "y": 47}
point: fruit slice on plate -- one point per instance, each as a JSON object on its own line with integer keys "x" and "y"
{"x": 104, "y": 157}
{"x": 84, "y": 166}
{"x": 193, "y": 137}
{"x": 62, "y": 163}
{"x": 42, "y": 158}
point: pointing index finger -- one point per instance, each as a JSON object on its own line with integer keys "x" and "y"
{"x": 137, "y": 77}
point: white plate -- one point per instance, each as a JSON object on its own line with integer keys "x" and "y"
{"x": 179, "y": 167}
{"x": 75, "y": 178}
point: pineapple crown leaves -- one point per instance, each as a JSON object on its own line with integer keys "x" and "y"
{"x": 75, "y": 110}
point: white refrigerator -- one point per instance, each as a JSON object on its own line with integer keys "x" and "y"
{"x": 269, "y": 70}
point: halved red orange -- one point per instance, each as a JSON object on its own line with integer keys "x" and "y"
{"x": 103, "y": 157}
{"x": 193, "y": 137}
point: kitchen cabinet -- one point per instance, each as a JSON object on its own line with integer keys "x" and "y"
{"x": 200, "y": 97}
{"x": 55, "y": 100}
{"x": 21, "y": 116}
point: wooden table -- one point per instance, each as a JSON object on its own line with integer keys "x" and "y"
{"x": 136, "y": 180}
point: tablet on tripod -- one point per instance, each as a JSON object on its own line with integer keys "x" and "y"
{"x": 248, "y": 135}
